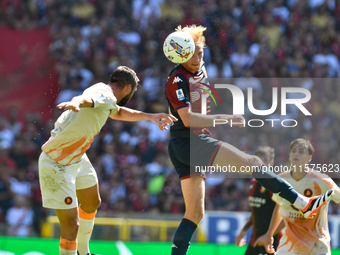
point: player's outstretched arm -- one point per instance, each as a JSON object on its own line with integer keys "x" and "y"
{"x": 127, "y": 114}
{"x": 76, "y": 103}
{"x": 192, "y": 119}
{"x": 239, "y": 240}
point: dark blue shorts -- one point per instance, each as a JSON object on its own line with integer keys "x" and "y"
{"x": 187, "y": 153}
{"x": 258, "y": 250}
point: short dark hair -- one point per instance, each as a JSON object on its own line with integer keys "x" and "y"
{"x": 265, "y": 151}
{"x": 305, "y": 143}
{"x": 123, "y": 76}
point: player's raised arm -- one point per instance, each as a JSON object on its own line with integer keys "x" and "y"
{"x": 196, "y": 120}
{"x": 76, "y": 103}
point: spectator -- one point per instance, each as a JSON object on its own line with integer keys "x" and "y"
{"x": 249, "y": 81}
{"x": 6, "y": 134}
{"x": 241, "y": 59}
{"x": 271, "y": 30}
{"x": 20, "y": 217}
{"x": 6, "y": 194}
{"x": 19, "y": 184}
{"x": 85, "y": 76}
{"x": 72, "y": 91}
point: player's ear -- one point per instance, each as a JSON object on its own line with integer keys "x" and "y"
{"x": 310, "y": 158}
{"x": 128, "y": 88}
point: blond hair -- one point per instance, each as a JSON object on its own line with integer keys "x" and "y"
{"x": 196, "y": 33}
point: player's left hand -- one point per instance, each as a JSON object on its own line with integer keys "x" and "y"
{"x": 163, "y": 120}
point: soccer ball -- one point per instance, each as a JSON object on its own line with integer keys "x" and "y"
{"x": 179, "y": 47}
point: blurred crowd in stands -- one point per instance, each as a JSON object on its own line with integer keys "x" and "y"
{"x": 246, "y": 40}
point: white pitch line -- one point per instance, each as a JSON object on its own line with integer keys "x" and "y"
{"x": 122, "y": 249}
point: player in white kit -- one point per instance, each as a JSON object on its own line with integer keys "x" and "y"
{"x": 68, "y": 181}
{"x": 303, "y": 236}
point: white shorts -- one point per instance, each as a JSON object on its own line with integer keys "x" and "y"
{"x": 58, "y": 183}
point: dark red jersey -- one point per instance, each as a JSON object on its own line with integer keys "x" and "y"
{"x": 262, "y": 207}
{"x": 185, "y": 89}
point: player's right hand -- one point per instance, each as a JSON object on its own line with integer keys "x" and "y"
{"x": 69, "y": 106}
{"x": 268, "y": 245}
{"x": 237, "y": 120}
{"x": 239, "y": 240}
{"x": 163, "y": 119}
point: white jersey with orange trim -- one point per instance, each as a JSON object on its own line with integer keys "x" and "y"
{"x": 306, "y": 236}
{"x": 74, "y": 132}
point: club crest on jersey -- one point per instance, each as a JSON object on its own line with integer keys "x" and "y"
{"x": 177, "y": 79}
{"x": 180, "y": 94}
{"x": 308, "y": 193}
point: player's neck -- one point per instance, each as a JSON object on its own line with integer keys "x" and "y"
{"x": 193, "y": 72}
{"x": 297, "y": 173}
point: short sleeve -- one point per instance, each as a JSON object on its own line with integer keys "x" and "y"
{"x": 277, "y": 199}
{"x": 336, "y": 197}
{"x": 177, "y": 91}
{"x": 327, "y": 183}
{"x": 102, "y": 96}
{"x": 332, "y": 185}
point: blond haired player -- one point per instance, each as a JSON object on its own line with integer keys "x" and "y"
{"x": 66, "y": 174}
{"x": 302, "y": 236}
{"x": 191, "y": 145}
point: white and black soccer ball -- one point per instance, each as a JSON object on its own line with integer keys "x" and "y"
{"x": 179, "y": 47}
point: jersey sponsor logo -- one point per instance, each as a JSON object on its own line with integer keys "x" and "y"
{"x": 256, "y": 201}
{"x": 177, "y": 79}
{"x": 180, "y": 94}
{"x": 194, "y": 96}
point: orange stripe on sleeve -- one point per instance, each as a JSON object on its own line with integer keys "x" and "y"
{"x": 70, "y": 245}
{"x": 85, "y": 215}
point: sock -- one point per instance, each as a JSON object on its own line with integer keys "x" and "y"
{"x": 67, "y": 247}
{"x": 275, "y": 184}
{"x": 182, "y": 237}
{"x": 86, "y": 222}
{"x": 301, "y": 202}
